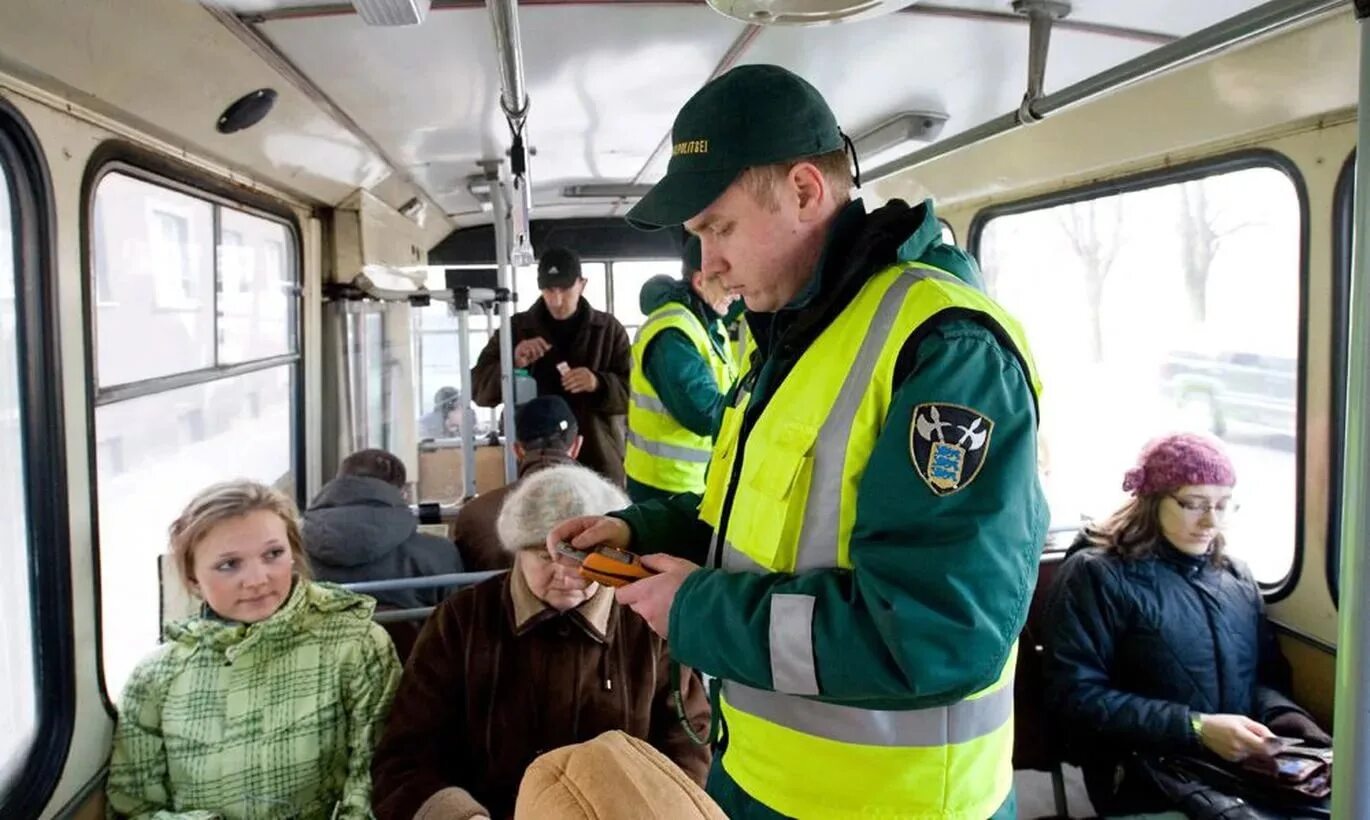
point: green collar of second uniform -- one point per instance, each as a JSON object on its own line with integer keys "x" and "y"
{"x": 925, "y": 240}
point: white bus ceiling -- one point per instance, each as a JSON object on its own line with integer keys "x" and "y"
{"x": 604, "y": 79}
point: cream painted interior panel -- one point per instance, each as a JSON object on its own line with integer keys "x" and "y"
{"x": 1315, "y": 677}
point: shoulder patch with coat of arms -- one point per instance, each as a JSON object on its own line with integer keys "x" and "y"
{"x": 948, "y": 443}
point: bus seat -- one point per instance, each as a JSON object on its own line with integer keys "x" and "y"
{"x": 1036, "y": 745}
{"x": 403, "y": 634}
{"x": 440, "y": 472}
{"x": 175, "y": 602}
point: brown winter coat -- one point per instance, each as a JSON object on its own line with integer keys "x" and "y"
{"x": 474, "y": 528}
{"x": 497, "y": 678}
{"x": 600, "y": 345}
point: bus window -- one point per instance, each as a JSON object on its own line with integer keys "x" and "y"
{"x": 195, "y": 312}
{"x": 437, "y": 346}
{"x": 628, "y": 280}
{"x": 948, "y": 235}
{"x": 596, "y": 287}
{"x": 1156, "y": 305}
{"x": 18, "y": 712}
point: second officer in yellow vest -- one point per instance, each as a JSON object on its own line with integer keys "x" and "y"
{"x": 871, "y": 518}
{"x": 682, "y": 368}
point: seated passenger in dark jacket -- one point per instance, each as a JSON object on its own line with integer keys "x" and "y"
{"x": 1156, "y": 641}
{"x": 528, "y": 661}
{"x": 360, "y": 528}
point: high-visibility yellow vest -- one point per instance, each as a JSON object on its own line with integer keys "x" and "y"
{"x": 662, "y": 453}
{"x": 745, "y": 344}
{"x": 793, "y": 509}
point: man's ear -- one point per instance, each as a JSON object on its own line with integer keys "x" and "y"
{"x": 574, "y": 452}
{"x": 697, "y": 282}
{"x": 810, "y": 189}
{"x": 519, "y": 452}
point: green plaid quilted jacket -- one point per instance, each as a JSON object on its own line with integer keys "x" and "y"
{"x": 276, "y": 719}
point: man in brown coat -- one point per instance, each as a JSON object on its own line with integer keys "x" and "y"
{"x": 574, "y": 351}
{"x": 547, "y": 436}
{"x": 528, "y": 661}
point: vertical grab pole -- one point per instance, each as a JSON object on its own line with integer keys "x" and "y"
{"x": 1351, "y": 788}
{"x": 500, "y": 209}
{"x": 461, "y": 303}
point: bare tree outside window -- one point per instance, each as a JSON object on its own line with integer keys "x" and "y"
{"x": 1094, "y": 228}
{"x": 1163, "y": 313}
{"x": 1203, "y": 227}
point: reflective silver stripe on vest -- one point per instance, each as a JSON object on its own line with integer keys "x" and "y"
{"x": 735, "y": 560}
{"x": 670, "y": 451}
{"x": 939, "y": 726}
{"x": 791, "y": 629}
{"x": 818, "y": 536}
{"x": 658, "y": 317}
{"x": 647, "y": 402}
{"x": 792, "y": 667}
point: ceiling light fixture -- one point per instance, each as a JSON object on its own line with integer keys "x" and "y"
{"x": 606, "y": 190}
{"x": 392, "y": 12}
{"x": 902, "y": 131}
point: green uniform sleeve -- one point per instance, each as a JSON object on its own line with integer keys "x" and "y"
{"x": 371, "y": 680}
{"x": 939, "y": 585}
{"x": 139, "y": 786}
{"x": 684, "y": 382}
{"x": 670, "y": 525}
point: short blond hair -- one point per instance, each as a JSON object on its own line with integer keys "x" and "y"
{"x": 760, "y": 180}
{"x": 223, "y": 502}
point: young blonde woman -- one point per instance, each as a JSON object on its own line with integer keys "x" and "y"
{"x": 1156, "y": 639}
{"x": 267, "y": 704}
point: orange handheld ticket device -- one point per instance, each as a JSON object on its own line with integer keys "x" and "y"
{"x": 608, "y": 566}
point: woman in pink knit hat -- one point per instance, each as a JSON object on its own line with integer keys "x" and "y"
{"x": 1156, "y": 640}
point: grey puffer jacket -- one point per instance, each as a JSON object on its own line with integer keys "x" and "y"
{"x": 361, "y": 529}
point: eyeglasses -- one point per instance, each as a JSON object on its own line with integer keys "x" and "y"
{"x": 1197, "y": 508}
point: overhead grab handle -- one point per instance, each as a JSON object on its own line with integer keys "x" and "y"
{"x": 1041, "y": 14}
{"x": 514, "y": 102}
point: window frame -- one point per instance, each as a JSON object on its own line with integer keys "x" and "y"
{"x": 946, "y": 226}
{"x": 1185, "y": 172}
{"x": 1343, "y": 222}
{"x": 36, "y": 312}
{"x": 117, "y": 156}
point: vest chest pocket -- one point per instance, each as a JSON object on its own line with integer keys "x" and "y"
{"x": 720, "y": 468}
{"x": 769, "y": 511}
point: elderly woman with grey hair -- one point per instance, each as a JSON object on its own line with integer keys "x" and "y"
{"x": 524, "y": 663}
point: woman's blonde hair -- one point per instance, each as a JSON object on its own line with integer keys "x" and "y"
{"x": 222, "y": 502}
{"x": 1134, "y": 529}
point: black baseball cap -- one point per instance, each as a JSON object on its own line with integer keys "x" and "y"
{"x": 558, "y": 268}
{"x": 753, "y": 115}
{"x": 543, "y": 417}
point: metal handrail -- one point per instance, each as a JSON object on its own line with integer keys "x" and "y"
{"x": 399, "y": 616}
{"x": 451, "y": 579}
{"x": 1203, "y": 43}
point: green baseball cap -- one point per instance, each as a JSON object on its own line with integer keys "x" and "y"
{"x": 752, "y": 115}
